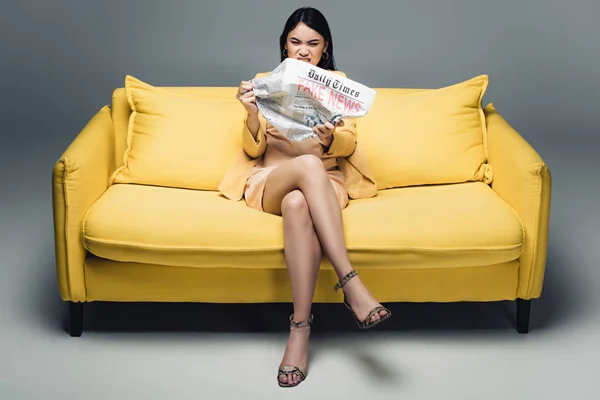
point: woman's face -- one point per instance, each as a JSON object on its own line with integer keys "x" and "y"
{"x": 305, "y": 44}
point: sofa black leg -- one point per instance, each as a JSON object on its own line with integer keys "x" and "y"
{"x": 75, "y": 319}
{"x": 523, "y": 310}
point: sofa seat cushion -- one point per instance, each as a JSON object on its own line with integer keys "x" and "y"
{"x": 457, "y": 225}
{"x": 464, "y": 224}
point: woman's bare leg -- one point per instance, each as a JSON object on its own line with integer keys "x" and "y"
{"x": 306, "y": 173}
{"x": 303, "y": 256}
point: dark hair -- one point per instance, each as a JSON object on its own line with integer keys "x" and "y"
{"x": 314, "y": 20}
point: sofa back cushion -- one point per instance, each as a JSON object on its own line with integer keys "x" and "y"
{"x": 435, "y": 136}
{"x": 411, "y": 136}
{"x": 177, "y": 138}
{"x": 121, "y": 110}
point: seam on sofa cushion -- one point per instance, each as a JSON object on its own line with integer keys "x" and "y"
{"x": 278, "y": 248}
{"x": 538, "y": 169}
{"x": 63, "y": 183}
{"x": 68, "y": 164}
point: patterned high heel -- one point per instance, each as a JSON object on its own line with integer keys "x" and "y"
{"x": 367, "y": 323}
{"x": 290, "y": 369}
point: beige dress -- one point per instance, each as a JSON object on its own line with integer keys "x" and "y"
{"x": 280, "y": 149}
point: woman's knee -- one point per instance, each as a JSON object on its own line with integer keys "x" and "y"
{"x": 295, "y": 203}
{"x": 309, "y": 161}
{"x": 310, "y": 166}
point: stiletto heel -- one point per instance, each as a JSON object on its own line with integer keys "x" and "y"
{"x": 291, "y": 369}
{"x": 367, "y": 323}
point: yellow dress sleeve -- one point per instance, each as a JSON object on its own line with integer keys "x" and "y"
{"x": 344, "y": 139}
{"x": 255, "y": 147}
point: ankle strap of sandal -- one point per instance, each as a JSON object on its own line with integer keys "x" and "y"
{"x": 301, "y": 324}
{"x": 344, "y": 280}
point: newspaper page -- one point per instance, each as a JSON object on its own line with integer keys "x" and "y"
{"x": 297, "y": 95}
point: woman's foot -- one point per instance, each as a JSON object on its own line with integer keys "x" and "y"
{"x": 296, "y": 354}
{"x": 361, "y": 301}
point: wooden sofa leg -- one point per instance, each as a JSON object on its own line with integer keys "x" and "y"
{"x": 75, "y": 319}
{"x": 523, "y": 309}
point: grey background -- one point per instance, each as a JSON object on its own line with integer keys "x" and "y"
{"x": 61, "y": 60}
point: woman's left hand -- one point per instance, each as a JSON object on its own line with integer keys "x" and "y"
{"x": 325, "y": 132}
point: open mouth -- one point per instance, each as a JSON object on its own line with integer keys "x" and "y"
{"x": 304, "y": 59}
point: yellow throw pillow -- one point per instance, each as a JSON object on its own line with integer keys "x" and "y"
{"x": 175, "y": 140}
{"x": 428, "y": 137}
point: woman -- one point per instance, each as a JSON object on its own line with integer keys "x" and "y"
{"x": 307, "y": 183}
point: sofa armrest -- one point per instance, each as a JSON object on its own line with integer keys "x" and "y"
{"x": 524, "y": 181}
{"x": 79, "y": 178}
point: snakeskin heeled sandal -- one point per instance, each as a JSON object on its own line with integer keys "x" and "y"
{"x": 290, "y": 369}
{"x": 367, "y": 323}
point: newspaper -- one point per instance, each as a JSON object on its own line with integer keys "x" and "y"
{"x": 297, "y": 95}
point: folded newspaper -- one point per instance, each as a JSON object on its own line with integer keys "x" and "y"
{"x": 297, "y": 95}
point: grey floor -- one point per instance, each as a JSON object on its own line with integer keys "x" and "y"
{"x": 427, "y": 351}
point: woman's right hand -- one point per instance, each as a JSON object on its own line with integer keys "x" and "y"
{"x": 245, "y": 95}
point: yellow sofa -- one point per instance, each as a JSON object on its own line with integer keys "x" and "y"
{"x": 466, "y": 241}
